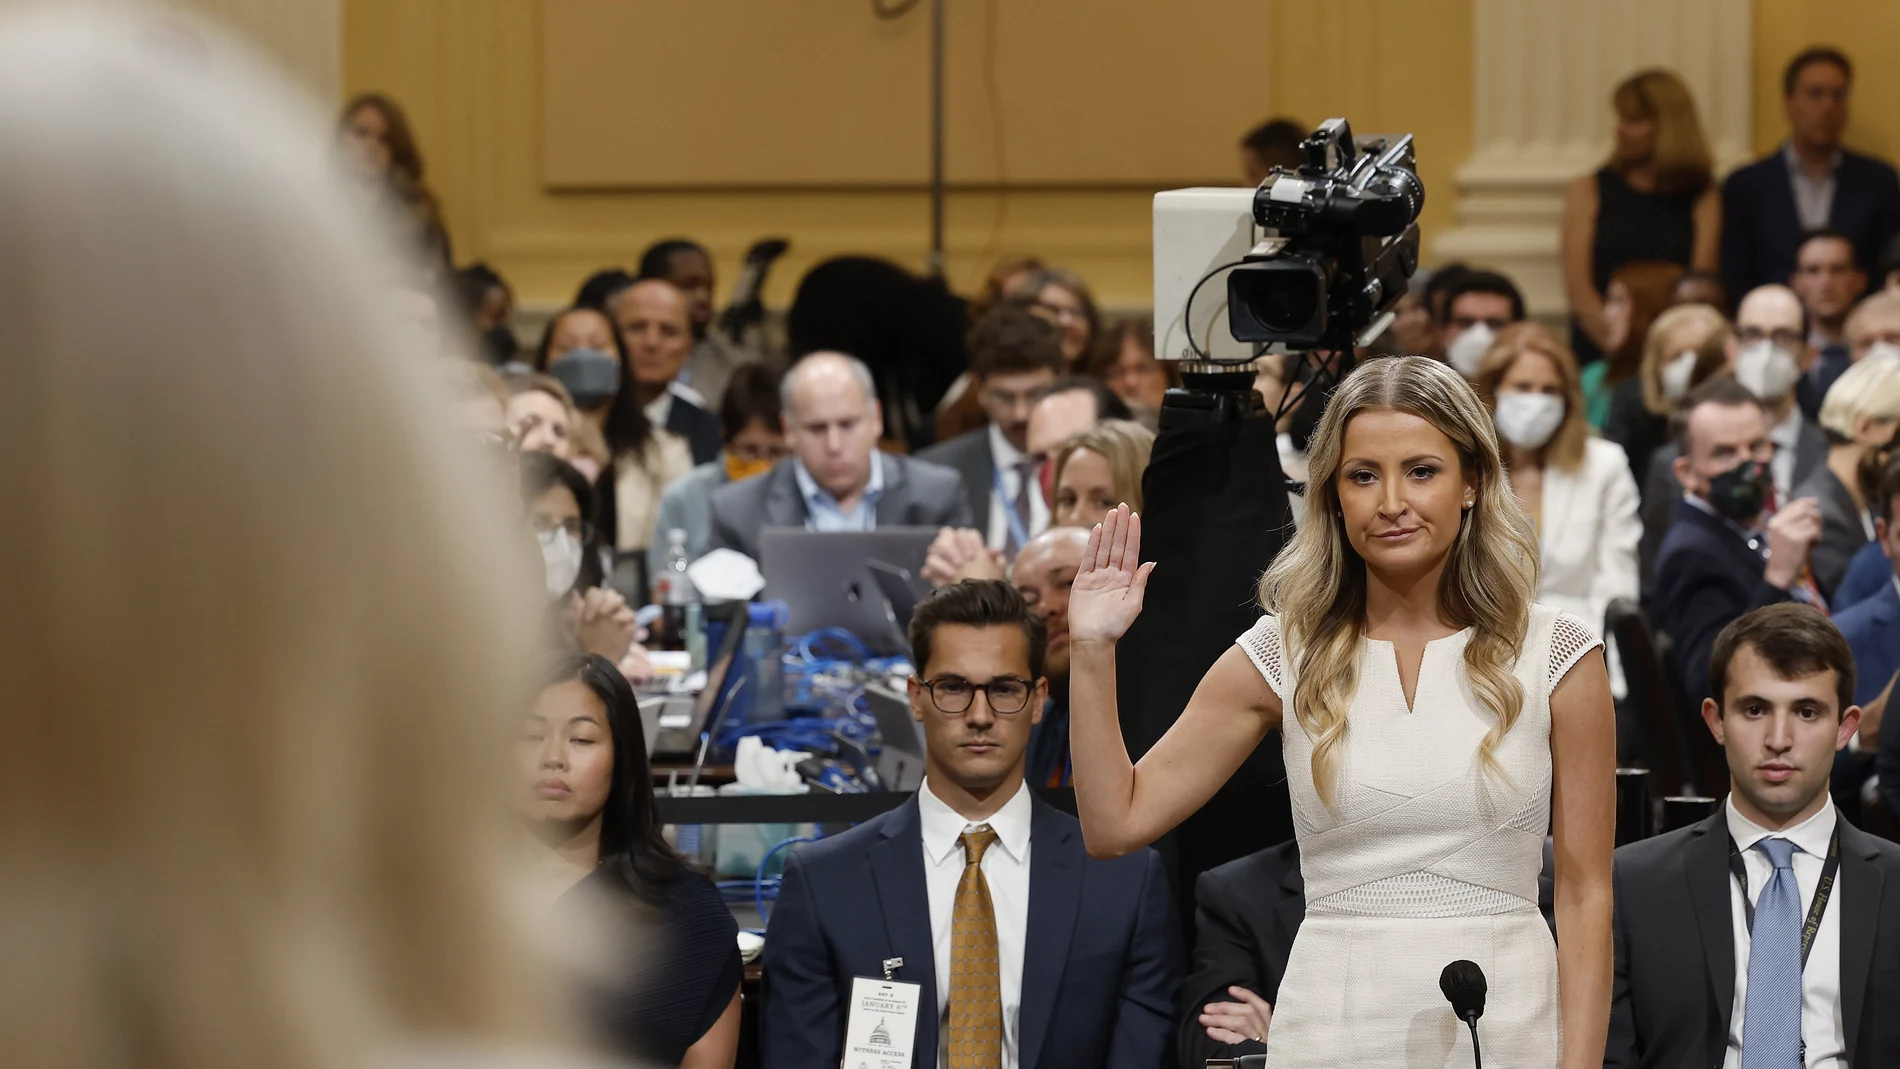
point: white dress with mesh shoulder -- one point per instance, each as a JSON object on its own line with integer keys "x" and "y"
{"x": 1424, "y": 858}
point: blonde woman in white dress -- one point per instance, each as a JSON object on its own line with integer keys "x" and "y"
{"x": 1437, "y": 724}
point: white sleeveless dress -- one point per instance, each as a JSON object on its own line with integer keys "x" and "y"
{"x": 1423, "y": 859}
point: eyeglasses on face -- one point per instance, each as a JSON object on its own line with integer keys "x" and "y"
{"x": 953, "y": 695}
{"x": 576, "y": 527}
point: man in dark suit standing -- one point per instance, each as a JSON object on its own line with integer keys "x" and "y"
{"x": 1015, "y": 357}
{"x": 1811, "y": 182}
{"x": 654, "y": 318}
{"x": 1769, "y": 934}
{"x": 1029, "y": 953}
{"x": 836, "y": 479}
{"x": 1719, "y": 559}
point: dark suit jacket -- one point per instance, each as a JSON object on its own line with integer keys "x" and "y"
{"x": 1674, "y": 985}
{"x": 1100, "y": 971}
{"x": 1760, "y": 227}
{"x": 1661, "y": 493}
{"x": 970, "y": 455}
{"x": 1872, "y": 628}
{"x": 916, "y": 494}
{"x": 1246, "y": 914}
{"x": 1841, "y": 532}
{"x": 699, "y": 427}
{"x": 1706, "y": 577}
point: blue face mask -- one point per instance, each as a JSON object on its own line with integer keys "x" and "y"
{"x": 591, "y": 376}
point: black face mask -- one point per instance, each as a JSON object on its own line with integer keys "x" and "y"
{"x": 1741, "y": 492}
{"x": 498, "y": 346}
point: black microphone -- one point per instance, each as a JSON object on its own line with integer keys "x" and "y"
{"x": 1464, "y": 987}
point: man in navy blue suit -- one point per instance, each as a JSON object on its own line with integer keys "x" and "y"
{"x": 1030, "y": 954}
{"x": 1872, "y": 628}
{"x": 1810, "y": 183}
{"x": 1719, "y": 559}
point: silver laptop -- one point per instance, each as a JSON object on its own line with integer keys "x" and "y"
{"x": 825, "y": 578}
{"x": 900, "y": 761}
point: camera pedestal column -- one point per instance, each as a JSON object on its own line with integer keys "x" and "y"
{"x": 1214, "y": 513}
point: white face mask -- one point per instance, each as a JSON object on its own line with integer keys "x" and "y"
{"x": 1882, "y": 350}
{"x": 561, "y": 554}
{"x": 1766, "y": 370}
{"x": 1467, "y": 350}
{"x": 1676, "y": 375}
{"x": 1527, "y": 420}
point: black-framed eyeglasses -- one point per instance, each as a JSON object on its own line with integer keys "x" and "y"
{"x": 544, "y": 524}
{"x": 953, "y": 695}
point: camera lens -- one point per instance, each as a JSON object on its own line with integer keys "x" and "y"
{"x": 1288, "y": 300}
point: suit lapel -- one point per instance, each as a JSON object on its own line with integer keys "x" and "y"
{"x": 783, "y": 505}
{"x": 1705, "y": 865}
{"x": 1862, "y": 884}
{"x": 891, "y": 500}
{"x": 897, "y": 868}
{"x": 1055, "y": 888}
{"x": 1810, "y": 451}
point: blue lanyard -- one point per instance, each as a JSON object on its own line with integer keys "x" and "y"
{"x": 1018, "y": 531}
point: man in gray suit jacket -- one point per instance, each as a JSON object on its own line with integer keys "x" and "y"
{"x": 836, "y": 479}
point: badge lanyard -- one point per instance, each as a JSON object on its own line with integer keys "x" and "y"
{"x": 1018, "y": 531}
{"x": 1822, "y": 891}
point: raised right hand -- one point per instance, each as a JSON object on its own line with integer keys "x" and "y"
{"x": 1108, "y": 589}
{"x": 1792, "y": 531}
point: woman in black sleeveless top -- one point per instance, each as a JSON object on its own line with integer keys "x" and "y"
{"x": 1655, "y": 199}
{"x": 655, "y": 949}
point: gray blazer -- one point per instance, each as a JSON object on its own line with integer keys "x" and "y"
{"x": 969, "y": 453}
{"x": 916, "y": 494}
{"x": 1841, "y": 532}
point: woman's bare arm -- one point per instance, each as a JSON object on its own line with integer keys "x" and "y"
{"x": 719, "y": 1047}
{"x": 1125, "y": 806}
{"x": 1707, "y": 254}
{"x": 1579, "y": 238}
{"x": 1583, "y": 812}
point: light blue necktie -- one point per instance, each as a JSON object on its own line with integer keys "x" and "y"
{"x": 1771, "y": 1023}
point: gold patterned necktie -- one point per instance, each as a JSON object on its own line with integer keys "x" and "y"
{"x": 976, "y": 996}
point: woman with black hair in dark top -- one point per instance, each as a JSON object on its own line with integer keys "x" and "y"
{"x": 666, "y": 985}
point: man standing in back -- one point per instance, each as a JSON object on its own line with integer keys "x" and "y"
{"x": 1769, "y": 934}
{"x": 1811, "y": 182}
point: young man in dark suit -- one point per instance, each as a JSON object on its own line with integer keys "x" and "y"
{"x": 1015, "y": 357}
{"x": 1809, "y": 183}
{"x": 1725, "y": 554}
{"x": 1246, "y": 914}
{"x": 1030, "y": 954}
{"x": 1769, "y": 934}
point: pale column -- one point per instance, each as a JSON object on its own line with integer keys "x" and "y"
{"x": 305, "y": 36}
{"x": 1544, "y": 71}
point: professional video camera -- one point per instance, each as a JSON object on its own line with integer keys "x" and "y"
{"x": 1345, "y": 229}
{"x": 1314, "y": 257}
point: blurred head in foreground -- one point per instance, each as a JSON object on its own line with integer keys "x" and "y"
{"x": 258, "y": 602}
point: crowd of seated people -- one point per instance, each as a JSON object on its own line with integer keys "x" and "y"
{"x": 1714, "y": 440}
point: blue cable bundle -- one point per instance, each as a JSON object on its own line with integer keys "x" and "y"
{"x": 825, "y": 673}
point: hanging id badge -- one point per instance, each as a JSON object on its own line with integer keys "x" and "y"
{"x": 882, "y": 1027}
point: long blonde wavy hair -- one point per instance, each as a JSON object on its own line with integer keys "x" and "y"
{"x": 1317, "y": 585}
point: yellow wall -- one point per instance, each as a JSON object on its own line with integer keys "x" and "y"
{"x": 470, "y": 76}
{"x": 1867, "y": 30}
{"x": 304, "y": 35}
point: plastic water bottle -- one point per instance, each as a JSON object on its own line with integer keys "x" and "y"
{"x": 765, "y": 674}
{"x": 675, "y": 592}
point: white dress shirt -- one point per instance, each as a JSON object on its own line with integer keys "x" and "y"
{"x": 1787, "y": 438}
{"x": 1821, "y": 1026}
{"x": 1006, "y": 870}
{"x": 661, "y": 408}
{"x": 1006, "y": 459}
